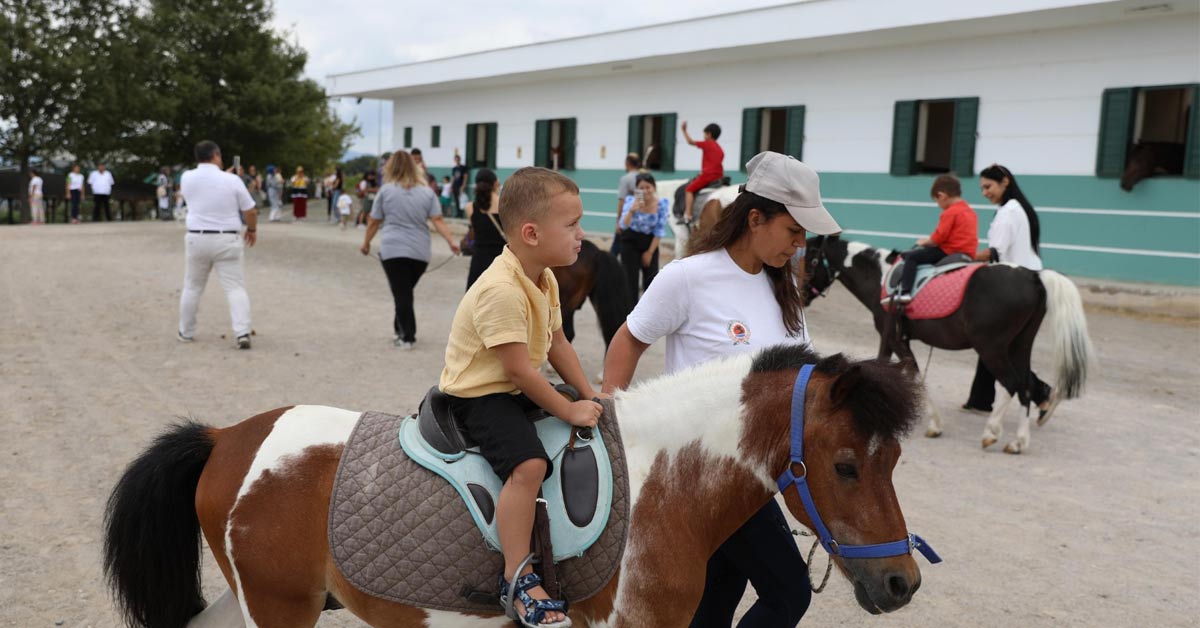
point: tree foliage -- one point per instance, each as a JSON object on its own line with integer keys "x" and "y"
{"x": 139, "y": 82}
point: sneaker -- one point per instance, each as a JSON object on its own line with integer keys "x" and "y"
{"x": 970, "y": 408}
{"x": 407, "y": 346}
{"x": 183, "y": 338}
{"x": 243, "y": 341}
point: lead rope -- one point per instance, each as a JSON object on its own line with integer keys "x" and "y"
{"x": 811, "y": 551}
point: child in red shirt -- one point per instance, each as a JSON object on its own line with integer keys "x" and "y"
{"x": 957, "y": 232}
{"x": 711, "y": 166}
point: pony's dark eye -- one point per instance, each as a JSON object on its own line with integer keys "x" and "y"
{"x": 846, "y": 470}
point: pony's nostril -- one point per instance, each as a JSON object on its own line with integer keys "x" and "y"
{"x": 897, "y": 586}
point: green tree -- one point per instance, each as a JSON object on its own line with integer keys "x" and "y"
{"x": 226, "y": 76}
{"x": 44, "y": 47}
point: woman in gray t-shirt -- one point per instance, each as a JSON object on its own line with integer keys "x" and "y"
{"x": 402, "y": 209}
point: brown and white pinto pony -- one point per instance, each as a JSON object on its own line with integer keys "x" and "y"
{"x": 704, "y": 447}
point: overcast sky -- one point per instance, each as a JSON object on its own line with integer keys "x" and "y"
{"x": 340, "y": 37}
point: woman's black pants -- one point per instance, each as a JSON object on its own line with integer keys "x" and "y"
{"x": 633, "y": 245}
{"x": 403, "y": 273}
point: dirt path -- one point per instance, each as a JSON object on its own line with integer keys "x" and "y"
{"x": 1095, "y": 525}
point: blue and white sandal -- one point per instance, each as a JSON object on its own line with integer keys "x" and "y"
{"x": 535, "y": 610}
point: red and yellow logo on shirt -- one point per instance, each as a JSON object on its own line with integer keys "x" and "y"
{"x": 738, "y": 332}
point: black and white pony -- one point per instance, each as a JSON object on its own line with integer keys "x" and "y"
{"x": 1001, "y": 311}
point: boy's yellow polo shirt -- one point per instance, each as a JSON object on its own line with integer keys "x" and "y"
{"x": 502, "y": 306}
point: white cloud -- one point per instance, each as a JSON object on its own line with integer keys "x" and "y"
{"x": 372, "y": 33}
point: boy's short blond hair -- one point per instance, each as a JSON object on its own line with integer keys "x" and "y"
{"x": 526, "y": 196}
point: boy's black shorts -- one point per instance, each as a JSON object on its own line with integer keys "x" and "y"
{"x": 497, "y": 422}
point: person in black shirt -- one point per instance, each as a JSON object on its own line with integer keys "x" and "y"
{"x": 459, "y": 176}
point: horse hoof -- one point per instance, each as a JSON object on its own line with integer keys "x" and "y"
{"x": 988, "y": 442}
{"x": 932, "y": 433}
{"x": 1012, "y": 448}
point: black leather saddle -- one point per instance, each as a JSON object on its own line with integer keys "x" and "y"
{"x": 442, "y": 430}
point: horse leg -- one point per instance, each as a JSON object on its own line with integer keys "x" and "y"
{"x": 568, "y": 323}
{"x": 994, "y": 428}
{"x": 1022, "y": 348}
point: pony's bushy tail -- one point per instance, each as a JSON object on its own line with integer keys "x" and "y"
{"x": 151, "y": 533}
{"x": 610, "y": 292}
{"x": 1072, "y": 348}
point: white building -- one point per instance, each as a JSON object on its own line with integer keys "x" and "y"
{"x": 876, "y": 95}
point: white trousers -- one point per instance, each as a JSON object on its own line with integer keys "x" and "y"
{"x": 222, "y": 252}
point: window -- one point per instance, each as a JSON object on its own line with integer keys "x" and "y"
{"x": 934, "y": 136}
{"x": 779, "y": 129}
{"x": 481, "y": 145}
{"x": 1162, "y": 119}
{"x": 408, "y": 137}
{"x": 554, "y": 144}
{"x": 435, "y": 137}
{"x": 652, "y": 136}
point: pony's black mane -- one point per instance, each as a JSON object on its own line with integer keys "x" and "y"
{"x": 885, "y": 401}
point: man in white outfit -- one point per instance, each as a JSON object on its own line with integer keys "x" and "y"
{"x": 218, "y": 207}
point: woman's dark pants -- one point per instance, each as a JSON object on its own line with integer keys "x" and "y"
{"x": 762, "y": 552}
{"x": 403, "y": 273}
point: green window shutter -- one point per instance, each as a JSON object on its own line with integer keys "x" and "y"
{"x": 541, "y": 143}
{"x": 962, "y": 143}
{"x": 795, "y": 132}
{"x": 668, "y": 147}
{"x": 1191, "y": 159}
{"x": 904, "y": 137}
{"x": 435, "y": 137}
{"x": 1116, "y": 130}
{"x": 568, "y": 159}
{"x": 751, "y": 120}
{"x": 408, "y": 137}
{"x": 492, "y": 128}
{"x": 635, "y": 136}
{"x": 469, "y": 158}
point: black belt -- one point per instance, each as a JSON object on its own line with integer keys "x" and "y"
{"x": 208, "y": 231}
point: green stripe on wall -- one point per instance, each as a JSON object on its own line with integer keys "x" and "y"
{"x": 1175, "y": 234}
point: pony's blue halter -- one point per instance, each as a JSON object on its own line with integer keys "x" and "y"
{"x": 878, "y": 550}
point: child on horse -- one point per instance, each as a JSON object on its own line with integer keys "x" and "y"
{"x": 505, "y": 328}
{"x": 712, "y": 167}
{"x": 957, "y": 232}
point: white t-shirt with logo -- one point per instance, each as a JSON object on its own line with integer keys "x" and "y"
{"x": 709, "y": 308}
{"x": 343, "y": 204}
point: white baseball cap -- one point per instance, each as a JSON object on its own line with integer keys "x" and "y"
{"x": 785, "y": 179}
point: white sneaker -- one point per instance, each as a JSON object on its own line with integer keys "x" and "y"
{"x": 243, "y": 341}
{"x": 183, "y": 338}
{"x": 407, "y": 346}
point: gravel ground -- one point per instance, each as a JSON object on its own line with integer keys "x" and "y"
{"x": 1096, "y": 524}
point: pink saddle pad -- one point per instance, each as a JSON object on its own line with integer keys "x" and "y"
{"x": 941, "y": 297}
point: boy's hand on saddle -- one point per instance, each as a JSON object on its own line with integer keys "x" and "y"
{"x": 583, "y": 413}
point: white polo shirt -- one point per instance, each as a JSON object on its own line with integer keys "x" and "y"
{"x": 215, "y": 199}
{"x": 709, "y": 308}
{"x": 101, "y": 182}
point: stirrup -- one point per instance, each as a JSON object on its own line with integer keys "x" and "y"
{"x": 535, "y": 610}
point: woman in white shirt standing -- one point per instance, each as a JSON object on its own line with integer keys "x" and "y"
{"x": 37, "y": 202}
{"x": 1014, "y": 237}
{"x": 738, "y": 292}
{"x": 75, "y": 192}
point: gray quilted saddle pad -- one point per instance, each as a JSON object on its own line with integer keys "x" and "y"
{"x": 400, "y": 532}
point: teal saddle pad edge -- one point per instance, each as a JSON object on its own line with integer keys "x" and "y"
{"x": 925, "y": 272}
{"x": 569, "y": 540}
